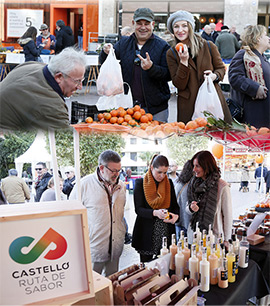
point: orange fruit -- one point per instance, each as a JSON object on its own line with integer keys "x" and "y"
{"x": 120, "y": 120}
{"x": 252, "y": 131}
{"x": 156, "y": 128}
{"x": 149, "y": 130}
{"x": 114, "y": 112}
{"x": 181, "y": 125}
{"x": 144, "y": 119}
{"x": 130, "y": 111}
{"x": 178, "y": 46}
{"x": 136, "y": 108}
{"x": 142, "y": 134}
{"x": 257, "y": 205}
{"x": 120, "y": 108}
{"x": 127, "y": 118}
{"x": 168, "y": 129}
{"x": 89, "y": 120}
{"x": 142, "y": 111}
{"x": 262, "y": 205}
{"x": 132, "y": 122}
{"x": 125, "y": 123}
{"x": 121, "y": 113}
{"x": 113, "y": 120}
{"x": 150, "y": 116}
{"x": 144, "y": 126}
{"x": 191, "y": 125}
{"x": 107, "y": 116}
{"x": 201, "y": 121}
{"x": 263, "y": 131}
{"x": 155, "y": 122}
{"x": 100, "y": 116}
{"x": 137, "y": 115}
{"x": 103, "y": 121}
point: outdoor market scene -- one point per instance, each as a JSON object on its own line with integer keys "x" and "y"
{"x": 135, "y": 152}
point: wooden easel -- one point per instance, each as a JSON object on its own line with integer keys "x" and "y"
{"x": 92, "y": 77}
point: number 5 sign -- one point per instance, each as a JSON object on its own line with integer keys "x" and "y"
{"x": 18, "y": 21}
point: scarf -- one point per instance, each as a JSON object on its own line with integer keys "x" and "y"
{"x": 157, "y": 195}
{"x": 253, "y": 66}
{"x": 205, "y": 193}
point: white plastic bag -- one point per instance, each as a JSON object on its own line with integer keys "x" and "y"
{"x": 207, "y": 100}
{"x": 106, "y": 103}
{"x": 110, "y": 81}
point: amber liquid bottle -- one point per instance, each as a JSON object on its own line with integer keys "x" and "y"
{"x": 231, "y": 264}
{"x": 223, "y": 274}
{"x": 213, "y": 260}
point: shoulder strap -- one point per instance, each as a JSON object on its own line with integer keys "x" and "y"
{"x": 174, "y": 54}
{"x": 209, "y": 46}
{"x": 181, "y": 191}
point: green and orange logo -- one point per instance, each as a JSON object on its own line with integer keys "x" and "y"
{"x": 15, "y": 249}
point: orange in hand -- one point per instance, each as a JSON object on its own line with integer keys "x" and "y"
{"x": 178, "y": 46}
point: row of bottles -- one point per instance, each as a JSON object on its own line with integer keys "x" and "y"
{"x": 207, "y": 262}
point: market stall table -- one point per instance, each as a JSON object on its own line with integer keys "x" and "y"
{"x": 261, "y": 254}
{"x": 249, "y": 282}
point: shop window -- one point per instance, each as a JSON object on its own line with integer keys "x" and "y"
{"x": 133, "y": 141}
{"x": 133, "y": 156}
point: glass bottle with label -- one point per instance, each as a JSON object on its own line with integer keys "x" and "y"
{"x": 186, "y": 252}
{"x": 231, "y": 264}
{"x": 235, "y": 242}
{"x": 182, "y": 236}
{"x": 164, "y": 249}
{"x": 173, "y": 251}
{"x": 179, "y": 261}
{"x": 223, "y": 274}
{"x": 218, "y": 248}
{"x": 193, "y": 263}
{"x": 199, "y": 234}
{"x": 195, "y": 241}
{"x": 208, "y": 245}
{"x": 213, "y": 260}
{"x": 204, "y": 233}
{"x": 244, "y": 251}
{"x": 204, "y": 271}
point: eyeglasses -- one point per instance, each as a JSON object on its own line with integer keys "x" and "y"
{"x": 137, "y": 61}
{"x": 77, "y": 82}
{"x": 113, "y": 171}
{"x": 38, "y": 169}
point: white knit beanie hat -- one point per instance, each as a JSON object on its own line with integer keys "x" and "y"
{"x": 179, "y": 16}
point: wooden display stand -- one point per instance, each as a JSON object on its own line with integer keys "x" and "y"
{"x": 92, "y": 77}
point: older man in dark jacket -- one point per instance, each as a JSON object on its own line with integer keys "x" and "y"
{"x": 144, "y": 67}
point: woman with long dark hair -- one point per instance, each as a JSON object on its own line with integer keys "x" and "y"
{"x": 209, "y": 198}
{"x": 28, "y": 42}
{"x": 153, "y": 196}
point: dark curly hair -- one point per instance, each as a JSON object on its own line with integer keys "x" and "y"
{"x": 187, "y": 172}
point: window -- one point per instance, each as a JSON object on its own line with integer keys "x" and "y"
{"x": 133, "y": 156}
{"x": 133, "y": 141}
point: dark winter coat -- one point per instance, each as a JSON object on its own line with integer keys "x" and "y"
{"x": 30, "y": 50}
{"x": 267, "y": 179}
{"x": 189, "y": 79}
{"x": 258, "y": 172}
{"x": 68, "y": 186}
{"x": 42, "y": 186}
{"x": 207, "y": 37}
{"x": 64, "y": 38}
{"x": 214, "y": 35}
{"x": 227, "y": 45}
{"x": 155, "y": 80}
{"x": 244, "y": 90}
{"x": 143, "y": 228}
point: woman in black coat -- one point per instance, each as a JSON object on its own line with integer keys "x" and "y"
{"x": 28, "y": 42}
{"x": 154, "y": 195}
{"x": 249, "y": 76}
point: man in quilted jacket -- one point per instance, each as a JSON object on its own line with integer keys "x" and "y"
{"x": 142, "y": 57}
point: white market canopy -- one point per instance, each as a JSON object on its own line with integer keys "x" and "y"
{"x": 36, "y": 153}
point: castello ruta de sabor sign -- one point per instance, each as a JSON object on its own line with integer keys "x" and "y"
{"x": 44, "y": 253}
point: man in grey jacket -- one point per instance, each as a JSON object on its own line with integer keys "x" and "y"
{"x": 104, "y": 196}
{"x": 227, "y": 44}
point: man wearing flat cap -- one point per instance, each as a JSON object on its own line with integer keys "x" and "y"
{"x": 47, "y": 39}
{"x": 142, "y": 57}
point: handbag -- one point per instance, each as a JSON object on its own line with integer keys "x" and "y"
{"x": 207, "y": 100}
{"x": 236, "y": 110}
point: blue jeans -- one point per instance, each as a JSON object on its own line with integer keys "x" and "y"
{"x": 178, "y": 230}
{"x": 80, "y": 42}
{"x": 226, "y": 60}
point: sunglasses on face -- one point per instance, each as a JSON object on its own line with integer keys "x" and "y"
{"x": 137, "y": 61}
{"x": 38, "y": 169}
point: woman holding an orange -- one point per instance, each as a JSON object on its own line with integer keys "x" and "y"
{"x": 191, "y": 63}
